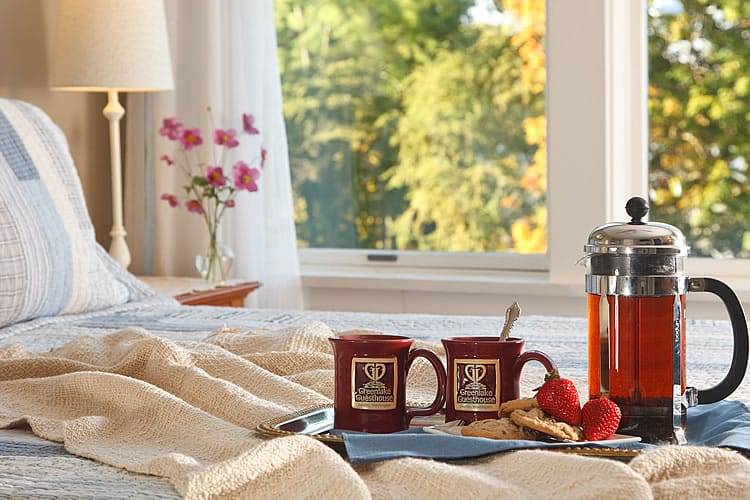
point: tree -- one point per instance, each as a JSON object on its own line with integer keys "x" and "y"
{"x": 699, "y": 102}
{"x": 343, "y": 63}
{"x": 468, "y": 143}
{"x": 410, "y": 127}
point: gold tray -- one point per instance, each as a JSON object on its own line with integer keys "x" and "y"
{"x": 270, "y": 428}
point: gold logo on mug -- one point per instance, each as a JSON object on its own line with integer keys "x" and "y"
{"x": 374, "y": 383}
{"x": 476, "y": 384}
{"x": 374, "y": 371}
{"x": 475, "y": 373}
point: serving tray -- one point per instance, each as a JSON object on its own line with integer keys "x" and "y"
{"x": 317, "y": 423}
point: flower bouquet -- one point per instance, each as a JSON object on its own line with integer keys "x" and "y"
{"x": 209, "y": 191}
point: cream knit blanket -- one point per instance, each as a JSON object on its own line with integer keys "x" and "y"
{"x": 186, "y": 411}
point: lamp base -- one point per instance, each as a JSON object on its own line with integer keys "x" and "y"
{"x": 114, "y": 111}
{"x": 118, "y": 248}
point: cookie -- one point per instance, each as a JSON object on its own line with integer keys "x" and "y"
{"x": 537, "y": 420}
{"x": 517, "y": 404}
{"x": 503, "y": 428}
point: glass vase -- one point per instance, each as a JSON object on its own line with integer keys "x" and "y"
{"x": 216, "y": 263}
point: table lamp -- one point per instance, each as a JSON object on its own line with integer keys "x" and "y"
{"x": 111, "y": 46}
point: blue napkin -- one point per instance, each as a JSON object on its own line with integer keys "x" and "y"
{"x": 726, "y": 423}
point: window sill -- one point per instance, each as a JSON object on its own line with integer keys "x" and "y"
{"x": 436, "y": 280}
{"x": 461, "y": 281}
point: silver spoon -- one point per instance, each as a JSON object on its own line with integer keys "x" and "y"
{"x": 511, "y": 316}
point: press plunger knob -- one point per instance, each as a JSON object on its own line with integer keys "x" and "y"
{"x": 637, "y": 208}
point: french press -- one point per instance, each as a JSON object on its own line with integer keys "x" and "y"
{"x": 637, "y": 288}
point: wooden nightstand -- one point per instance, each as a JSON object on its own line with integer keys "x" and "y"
{"x": 196, "y": 292}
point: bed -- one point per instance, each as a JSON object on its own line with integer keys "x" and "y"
{"x": 32, "y": 467}
{"x": 58, "y": 285}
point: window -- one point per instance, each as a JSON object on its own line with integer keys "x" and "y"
{"x": 416, "y": 124}
{"x": 407, "y": 131}
{"x": 699, "y": 141}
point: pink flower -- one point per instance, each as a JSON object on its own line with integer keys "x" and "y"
{"x": 215, "y": 177}
{"x": 171, "y": 199}
{"x": 194, "y": 206}
{"x": 229, "y": 203}
{"x": 226, "y": 138}
{"x": 170, "y": 128}
{"x": 190, "y": 138}
{"x": 245, "y": 177}
{"x": 167, "y": 159}
{"x": 248, "y": 124}
{"x": 263, "y": 157}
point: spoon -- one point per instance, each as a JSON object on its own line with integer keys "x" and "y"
{"x": 511, "y": 315}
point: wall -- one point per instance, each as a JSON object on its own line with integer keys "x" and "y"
{"x": 24, "y": 28}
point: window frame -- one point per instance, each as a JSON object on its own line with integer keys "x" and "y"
{"x": 391, "y": 259}
{"x": 597, "y": 77}
{"x": 336, "y": 259}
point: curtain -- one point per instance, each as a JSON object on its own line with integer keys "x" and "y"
{"x": 224, "y": 56}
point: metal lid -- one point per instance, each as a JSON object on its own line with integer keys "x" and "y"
{"x": 636, "y": 236}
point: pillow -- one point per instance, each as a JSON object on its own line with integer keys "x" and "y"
{"x": 49, "y": 260}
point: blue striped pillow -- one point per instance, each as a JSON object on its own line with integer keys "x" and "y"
{"x": 49, "y": 260}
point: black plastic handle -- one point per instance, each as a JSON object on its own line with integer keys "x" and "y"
{"x": 738, "y": 367}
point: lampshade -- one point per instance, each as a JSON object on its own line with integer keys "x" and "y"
{"x": 105, "y": 45}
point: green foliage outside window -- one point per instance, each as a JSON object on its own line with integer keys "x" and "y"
{"x": 699, "y": 112}
{"x": 413, "y": 127}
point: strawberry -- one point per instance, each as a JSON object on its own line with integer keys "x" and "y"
{"x": 601, "y": 418}
{"x": 558, "y": 397}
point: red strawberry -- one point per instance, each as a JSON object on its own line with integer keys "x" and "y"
{"x": 601, "y": 418}
{"x": 558, "y": 397}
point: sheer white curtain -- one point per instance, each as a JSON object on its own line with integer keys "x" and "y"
{"x": 224, "y": 56}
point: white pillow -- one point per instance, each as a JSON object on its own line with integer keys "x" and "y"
{"x": 49, "y": 260}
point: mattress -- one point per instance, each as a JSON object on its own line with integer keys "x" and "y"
{"x": 32, "y": 467}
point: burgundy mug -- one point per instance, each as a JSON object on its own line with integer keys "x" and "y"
{"x": 371, "y": 382}
{"x": 484, "y": 372}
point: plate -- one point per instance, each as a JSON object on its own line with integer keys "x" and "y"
{"x": 454, "y": 429}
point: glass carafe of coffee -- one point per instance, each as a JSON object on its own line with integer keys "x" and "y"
{"x": 637, "y": 291}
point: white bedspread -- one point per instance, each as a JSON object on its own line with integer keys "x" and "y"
{"x": 33, "y": 467}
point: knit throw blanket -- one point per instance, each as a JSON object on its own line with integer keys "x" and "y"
{"x": 186, "y": 411}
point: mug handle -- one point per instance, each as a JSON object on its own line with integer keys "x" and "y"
{"x": 532, "y": 356}
{"x": 437, "y": 404}
{"x": 739, "y": 331}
